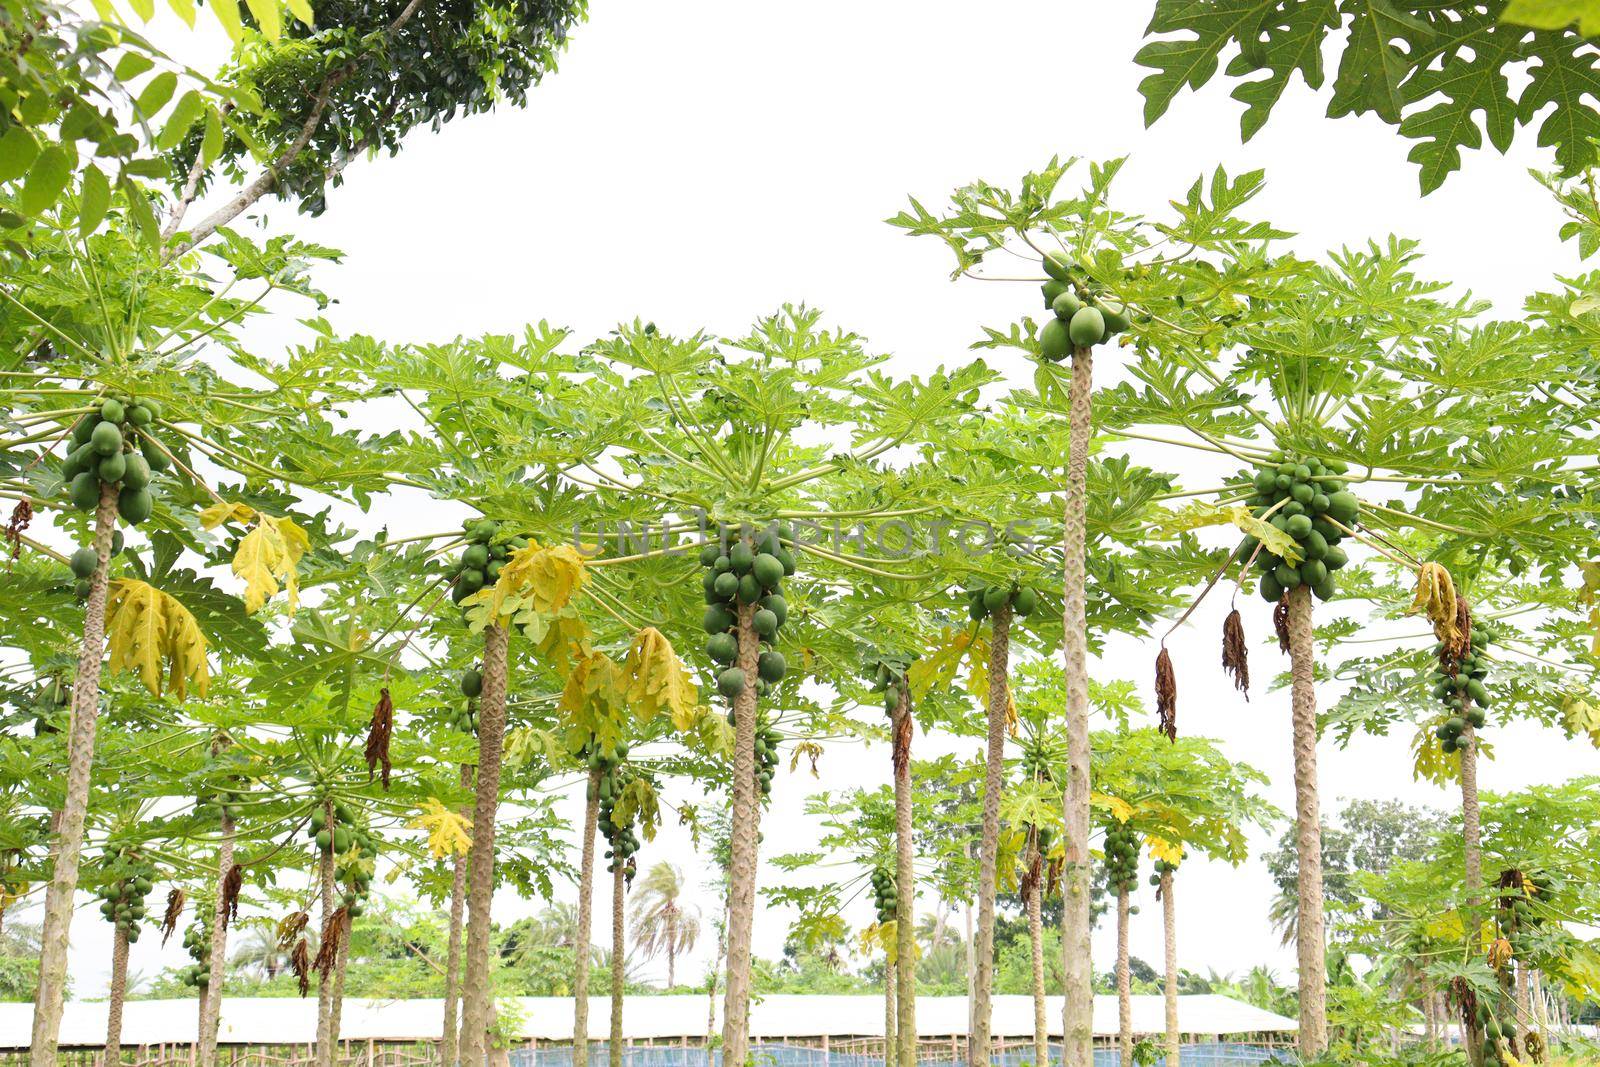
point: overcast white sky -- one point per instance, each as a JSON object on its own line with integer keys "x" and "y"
{"x": 700, "y": 163}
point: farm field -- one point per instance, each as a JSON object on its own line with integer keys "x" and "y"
{"x": 566, "y": 535}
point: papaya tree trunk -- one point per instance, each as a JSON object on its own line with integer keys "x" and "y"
{"x": 711, "y": 981}
{"x": 1472, "y": 851}
{"x": 115, "y": 997}
{"x": 480, "y": 876}
{"x": 1124, "y": 982}
{"x": 211, "y": 996}
{"x": 1041, "y": 1033}
{"x": 1308, "y": 827}
{"x": 905, "y": 880}
{"x": 972, "y": 954}
{"x": 742, "y": 851}
{"x": 891, "y": 1042}
{"x": 330, "y": 904}
{"x": 54, "y": 935}
{"x": 336, "y": 1004}
{"x": 1169, "y": 935}
{"x": 619, "y": 953}
{"x": 451, "y": 1034}
{"x": 989, "y": 842}
{"x": 1077, "y": 1023}
{"x": 580, "y": 940}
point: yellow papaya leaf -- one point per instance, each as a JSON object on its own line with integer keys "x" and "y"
{"x": 1162, "y": 849}
{"x": 805, "y": 750}
{"x": 1430, "y": 762}
{"x": 596, "y": 691}
{"x": 449, "y": 832}
{"x": 542, "y": 579}
{"x": 152, "y": 635}
{"x": 1581, "y": 718}
{"x": 657, "y": 680}
{"x": 638, "y": 803}
{"x": 268, "y": 554}
{"x": 225, "y": 512}
{"x": 1120, "y": 809}
{"x": 1445, "y": 927}
{"x": 1200, "y": 514}
{"x": 1436, "y": 598}
{"x": 938, "y": 667}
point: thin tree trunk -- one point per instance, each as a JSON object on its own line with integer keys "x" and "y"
{"x": 742, "y": 852}
{"x": 580, "y": 942}
{"x": 890, "y": 1029}
{"x": 672, "y": 948}
{"x": 451, "y": 1039}
{"x": 1525, "y": 1004}
{"x": 330, "y": 904}
{"x": 1169, "y": 928}
{"x": 1472, "y": 847}
{"x": 54, "y": 936}
{"x": 989, "y": 844}
{"x": 336, "y": 1002}
{"x": 1308, "y": 827}
{"x": 972, "y": 955}
{"x": 1041, "y": 1032}
{"x": 480, "y": 878}
{"x": 905, "y": 879}
{"x": 1124, "y": 984}
{"x": 1077, "y": 1024}
{"x": 211, "y": 996}
{"x": 118, "y": 993}
{"x": 711, "y": 983}
{"x": 619, "y": 951}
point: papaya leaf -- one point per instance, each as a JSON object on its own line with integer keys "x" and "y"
{"x": 152, "y": 635}
{"x": 1555, "y": 15}
{"x": 449, "y": 832}
{"x": 1201, "y": 514}
{"x": 269, "y": 554}
{"x": 657, "y": 681}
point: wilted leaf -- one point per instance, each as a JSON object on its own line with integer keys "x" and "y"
{"x": 449, "y": 832}
{"x": 151, "y": 634}
{"x": 657, "y": 680}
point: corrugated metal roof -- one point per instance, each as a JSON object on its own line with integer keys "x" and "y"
{"x": 264, "y": 1020}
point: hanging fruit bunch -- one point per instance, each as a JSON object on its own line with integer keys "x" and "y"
{"x": 338, "y": 837}
{"x": 1162, "y": 867}
{"x": 481, "y": 560}
{"x": 749, "y": 574}
{"x": 197, "y": 940}
{"x": 112, "y": 446}
{"x": 83, "y": 561}
{"x": 1459, "y": 685}
{"x": 1497, "y": 1017}
{"x": 1305, "y": 498}
{"x": 888, "y": 676}
{"x": 50, "y": 704}
{"x": 885, "y": 895}
{"x": 1036, "y": 768}
{"x": 1122, "y": 857}
{"x": 465, "y": 719}
{"x": 622, "y": 843}
{"x": 354, "y": 871}
{"x": 1080, "y": 318}
{"x": 767, "y": 738}
{"x": 222, "y": 802}
{"x": 122, "y": 901}
{"x": 985, "y": 600}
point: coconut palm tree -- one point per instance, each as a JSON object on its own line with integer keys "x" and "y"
{"x": 662, "y": 923}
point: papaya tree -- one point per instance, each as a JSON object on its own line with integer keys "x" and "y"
{"x": 1095, "y": 264}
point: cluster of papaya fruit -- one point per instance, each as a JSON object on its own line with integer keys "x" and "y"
{"x": 1122, "y": 856}
{"x": 83, "y": 562}
{"x": 888, "y": 676}
{"x": 354, "y": 876}
{"x": 1036, "y": 768}
{"x": 1305, "y": 498}
{"x": 1462, "y": 691}
{"x": 482, "y": 559}
{"x": 111, "y": 446}
{"x": 748, "y": 575}
{"x": 621, "y": 840}
{"x": 224, "y": 802}
{"x": 1078, "y": 318}
{"x": 122, "y": 901}
{"x": 1162, "y": 867}
{"x": 985, "y": 600}
{"x": 1498, "y": 1029}
{"x": 465, "y": 719}
{"x": 197, "y": 940}
{"x": 1519, "y": 917}
{"x": 885, "y": 895}
{"x": 341, "y": 834}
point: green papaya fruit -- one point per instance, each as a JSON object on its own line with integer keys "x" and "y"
{"x": 1116, "y": 316}
{"x": 83, "y": 562}
{"x": 786, "y": 558}
{"x": 726, "y": 585}
{"x": 1058, "y": 265}
{"x": 722, "y": 648}
{"x": 1312, "y": 572}
{"x": 1088, "y": 327}
{"x": 1055, "y": 341}
{"x": 1325, "y": 589}
{"x": 717, "y": 619}
{"x": 749, "y": 589}
{"x": 742, "y": 557}
{"x": 1298, "y": 526}
{"x": 765, "y": 623}
{"x": 106, "y": 438}
{"x": 1287, "y": 576}
{"x": 471, "y": 682}
{"x": 731, "y": 682}
{"x": 1052, "y": 289}
{"x": 771, "y": 666}
{"x": 1265, "y": 481}
{"x": 1302, "y": 493}
{"x": 112, "y": 467}
{"x": 1025, "y": 601}
{"x": 135, "y": 505}
{"x": 778, "y": 606}
{"x": 1066, "y": 305}
{"x": 140, "y": 415}
{"x": 709, "y": 554}
{"x": 113, "y": 411}
{"x": 135, "y": 471}
{"x": 1314, "y": 544}
{"x": 1479, "y": 694}
{"x": 1271, "y": 590}
{"x": 476, "y": 557}
{"x": 768, "y": 570}
{"x": 153, "y": 454}
{"x": 1343, "y": 507}
{"x": 83, "y": 428}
